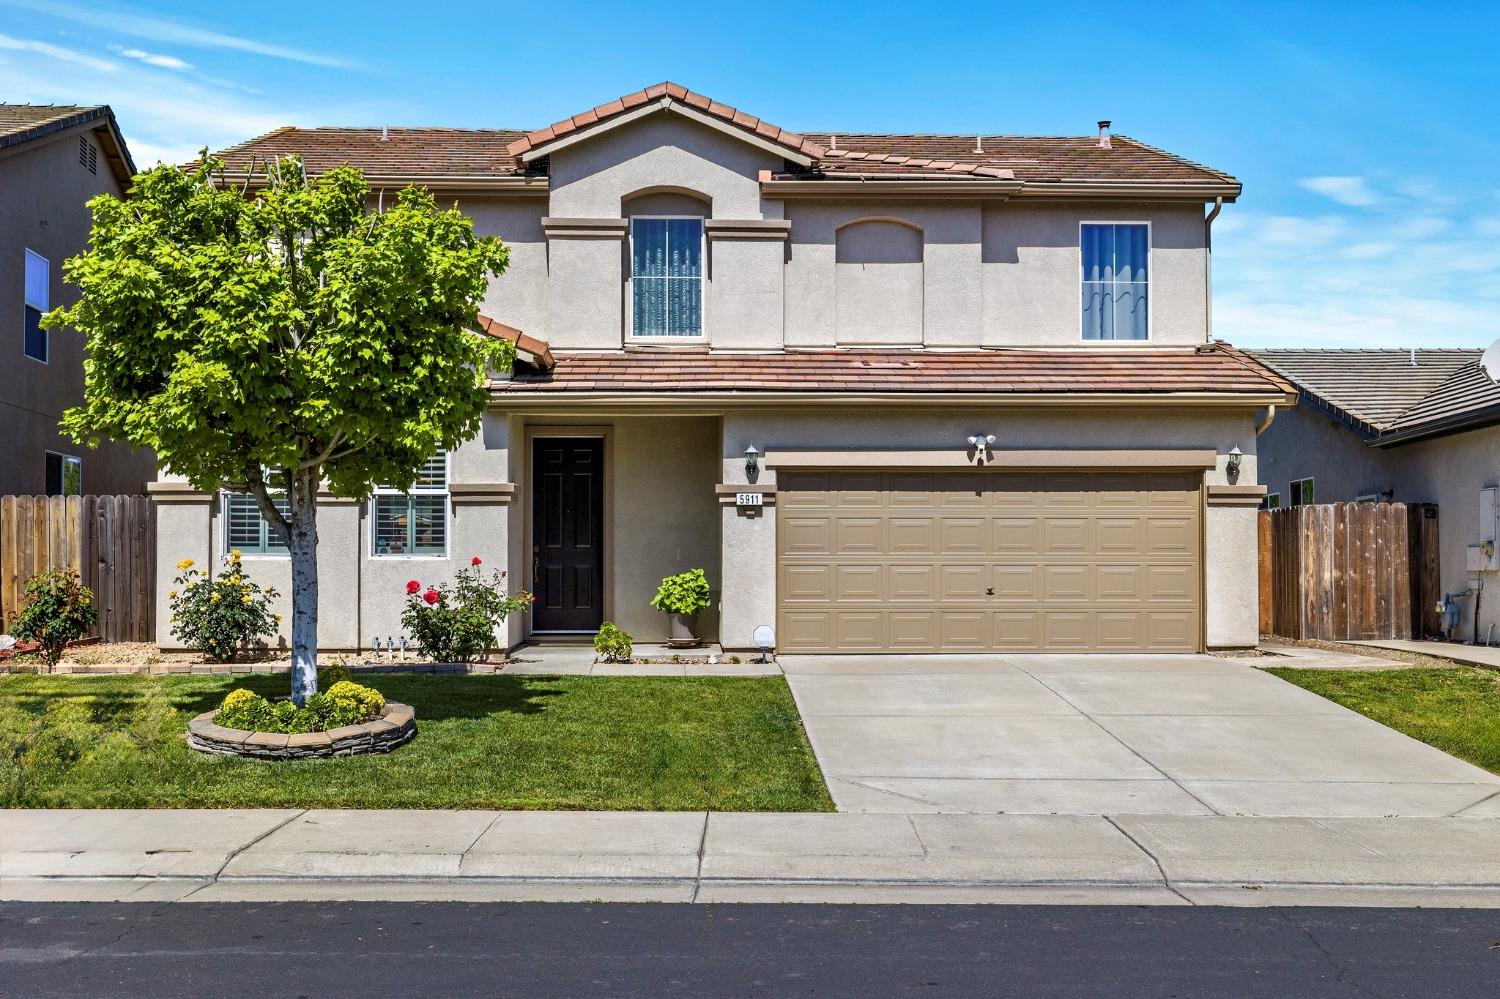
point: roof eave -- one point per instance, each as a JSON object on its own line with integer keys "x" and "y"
{"x": 1474, "y": 420}
{"x": 527, "y": 184}
{"x": 970, "y": 187}
{"x": 502, "y": 392}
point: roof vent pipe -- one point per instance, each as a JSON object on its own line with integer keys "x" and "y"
{"x": 1414, "y": 357}
{"x": 1104, "y": 134}
{"x": 979, "y": 143}
{"x": 385, "y": 133}
{"x": 833, "y": 142}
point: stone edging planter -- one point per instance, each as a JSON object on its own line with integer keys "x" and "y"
{"x": 396, "y": 726}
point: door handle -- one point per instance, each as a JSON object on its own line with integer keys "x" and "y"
{"x": 989, "y": 591}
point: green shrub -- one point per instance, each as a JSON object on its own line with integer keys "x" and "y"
{"x": 333, "y": 673}
{"x": 59, "y": 609}
{"x": 345, "y": 703}
{"x": 686, "y": 593}
{"x": 457, "y": 624}
{"x": 216, "y": 615}
{"x": 613, "y": 644}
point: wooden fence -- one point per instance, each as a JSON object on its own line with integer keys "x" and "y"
{"x": 110, "y": 540}
{"x": 1337, "y": 571}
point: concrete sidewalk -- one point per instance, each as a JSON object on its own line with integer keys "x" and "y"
{"x": 289, "y": 855}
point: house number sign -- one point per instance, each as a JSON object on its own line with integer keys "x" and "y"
{"x": 749, "y": 499}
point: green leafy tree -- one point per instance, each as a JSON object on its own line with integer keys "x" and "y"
{"x": 283, "y": 340}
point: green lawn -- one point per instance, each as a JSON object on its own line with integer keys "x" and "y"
{"x": 723, "y": 743}
{"x": 1457, "y": 710}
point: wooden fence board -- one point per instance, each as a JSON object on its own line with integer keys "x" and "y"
{"x": 109, "y": 540}
{"x": 1339, "y": 571}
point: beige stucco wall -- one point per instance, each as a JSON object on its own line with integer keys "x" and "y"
{"x": 749, "y": 543}
{"x": 991, "y": 273}
{"x": 44, "y": 192}
{"x": 1450, "y": 471}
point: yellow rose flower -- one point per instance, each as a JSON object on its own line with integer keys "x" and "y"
{"x": 245, "y": 600}
{"x": 277, "y": 617}
{"x": 234, "y": 555}
{"x": 172, "y": 594}
{"x": 214, "y": 597}
{"x": 235, "y": 579}
{"x": 186, "y": 563}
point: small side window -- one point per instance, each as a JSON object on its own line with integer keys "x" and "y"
{"x": 64, "y": 475}
{"x": 246, "y": 530}
{"x": 38, "y": 301}
{"x": 1272, "y": 501}
{"x": 1301, "y": 491}
{"x": 415, "y": 522}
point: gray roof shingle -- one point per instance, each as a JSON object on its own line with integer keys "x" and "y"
{"x": 1371, "y": 388}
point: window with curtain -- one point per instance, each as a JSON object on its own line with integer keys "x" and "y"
{"x": 38, "y": 301}
{"x": 1115, "y": 280}
{"x": 666, "y": 277}
{"x": 414, "y": 522}
{"x": 246, "y": 530}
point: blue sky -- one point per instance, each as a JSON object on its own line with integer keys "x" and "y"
{"x": 1365, "y": 134}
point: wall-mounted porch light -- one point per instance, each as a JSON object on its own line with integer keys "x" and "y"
{"x": 1233, "y": 467}
{"x": 752, "y": 462}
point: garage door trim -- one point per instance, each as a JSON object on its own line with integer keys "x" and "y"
{"x": 1180, "y": 459}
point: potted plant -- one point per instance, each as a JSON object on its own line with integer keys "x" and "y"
{"x": 683, "y": 596}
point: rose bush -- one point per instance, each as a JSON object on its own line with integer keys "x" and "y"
{"x": 457, "y": 623}
{"x": 59, "y": 609}
{"x": 217, "y": 615}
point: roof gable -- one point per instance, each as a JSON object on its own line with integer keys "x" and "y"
{"x": 25, "y": 123}
{"x": 662, "y": 97}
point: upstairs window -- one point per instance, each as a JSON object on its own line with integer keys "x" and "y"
{"x": 415, "y": 522}
{"x": 1301, "y": 491}
{"x": 666, "y": 277}
{"x": 246, "y": 530}
{"x": 64, "y": 475}
{"x": 1115, "y": 257}
{"x": 38, "y": 301}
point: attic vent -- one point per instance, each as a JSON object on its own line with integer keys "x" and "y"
{"x": 88, "y": 155}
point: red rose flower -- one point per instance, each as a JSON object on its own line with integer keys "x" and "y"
{"x": 474, "y": 560}
{"x": 412, "y": 586}
{"x": 432, "y": 596}
{"x": 504, "y": 573}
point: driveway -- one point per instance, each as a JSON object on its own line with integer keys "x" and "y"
{"x": 1109, "y": 734}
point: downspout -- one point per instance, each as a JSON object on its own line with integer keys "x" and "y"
{"x": 1260, "y": 427}
{"x": 1208, "y": 272}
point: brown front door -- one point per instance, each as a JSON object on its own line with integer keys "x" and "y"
{"x": 567, "y": 527}
{"x": 988, "y": 560}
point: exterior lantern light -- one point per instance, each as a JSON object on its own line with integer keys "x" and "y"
{"x": 764, "y": 637}
{"x": 752, "y": 462}
{"x": 1233, "y": 467}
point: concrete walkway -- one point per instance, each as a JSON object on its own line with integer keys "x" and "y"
{"x": 1110, "y": 735}
{"x": 1471, "y": 655}
{"x": 277, "y": 855}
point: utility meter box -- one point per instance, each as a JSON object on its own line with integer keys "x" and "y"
{"x": 1481, "y": 557}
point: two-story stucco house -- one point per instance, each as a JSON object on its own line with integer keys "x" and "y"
{"x": 53, "y": 159}
{"x": 892, "y": 392}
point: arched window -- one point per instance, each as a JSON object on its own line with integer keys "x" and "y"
{"x": 666, "y": 267}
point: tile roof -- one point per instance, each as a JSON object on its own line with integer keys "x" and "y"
{"x": 1217, "y": 369}
{"x": 394, "y": 152}
{"x": 1470, "y": 398}
{"x": 538, "y": 349}
{"x": 488, "y": 153}
{"x": 674, "y": 91}
{"x": 20, "y": 123}
{"x": 1371, "y": 388}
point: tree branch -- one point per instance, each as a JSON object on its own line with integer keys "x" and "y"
{"x": 255, "y": 480}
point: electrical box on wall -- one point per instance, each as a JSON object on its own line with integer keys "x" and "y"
{"x": 1481, "y": 557}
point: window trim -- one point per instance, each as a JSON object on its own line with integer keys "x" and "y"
{"x": 224, "y": 498}
{"x": 416, "y": 490}
{"x": 26, "y": 303}
{"x": 63, "y": 472}
{"x": 1294, "y": 488}
{"x": 663, "y": 340}
{"x": 1150, "y": 337}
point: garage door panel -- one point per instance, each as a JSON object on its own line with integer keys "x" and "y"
{"x": 967, "y": 561}
{"x": 859, "y": 536}
{"x": 913, "y": 536}
{"x": 858, "y": 583}
{"x": 913, "y": 583}
{"x": 804, "y": 535}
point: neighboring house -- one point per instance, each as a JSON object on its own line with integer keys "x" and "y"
{"x": 771, "y": 355}
{"x": 1411, "y": 426}
{"x": 53, "y": 159}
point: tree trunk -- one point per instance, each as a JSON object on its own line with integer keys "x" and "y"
{"x": 303, "y": 547}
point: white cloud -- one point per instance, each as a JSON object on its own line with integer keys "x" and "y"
{"x": 161, "y": 29}
{"x": 1352, "y": 191}
{"x": 56, "y": 52}
{"x": 152, "y": 58}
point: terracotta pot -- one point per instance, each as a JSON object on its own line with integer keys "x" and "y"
{"x": 684, "y": 633}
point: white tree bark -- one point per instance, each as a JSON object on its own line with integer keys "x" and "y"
{"x": 299, "y": 532}
{"x": 302, "y": 543}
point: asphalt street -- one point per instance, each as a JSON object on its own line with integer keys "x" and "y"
{"x": 538, "y": 949}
